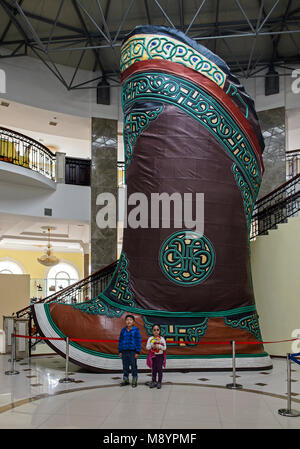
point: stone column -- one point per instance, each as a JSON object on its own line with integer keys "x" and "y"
{"x": 60, "y": 167}
{"x": 86, "y": 259}
{"x": 272, "y": 123}
{"x": 103, "y": 180}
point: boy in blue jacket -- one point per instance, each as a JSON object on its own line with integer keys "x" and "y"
{"x": 130, "y": 342}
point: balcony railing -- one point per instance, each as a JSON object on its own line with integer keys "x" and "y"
{"x": 79, "y": 292}
{"x": 292, "y": 164}
{"x": 276, "y": 207}
{"x": 18, "y": 149}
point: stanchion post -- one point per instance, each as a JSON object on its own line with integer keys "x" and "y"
{"x": 13, "y": 357}
{"x": 29, "y": 334}
{"x": 288, "y": 411}
{"x": 67, "y": 379}
{"x": 233, "y": 385}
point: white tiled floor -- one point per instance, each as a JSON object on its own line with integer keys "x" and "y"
{"x": 191, "y": 400}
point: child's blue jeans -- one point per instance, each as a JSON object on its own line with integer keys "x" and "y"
{"x": 129, "y": 360}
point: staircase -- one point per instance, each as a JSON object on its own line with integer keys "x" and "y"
{"x": 276, "y": 207}
{"x": 81, "y": 291}
{"x": 269, "y": 211}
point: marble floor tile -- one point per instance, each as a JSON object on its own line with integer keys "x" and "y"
{"x": 189, "y": 400}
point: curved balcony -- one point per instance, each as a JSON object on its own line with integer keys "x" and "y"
{"x": 18, "y": 149}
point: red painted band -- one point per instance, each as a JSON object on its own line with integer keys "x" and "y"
{"x": 205, "y": 83}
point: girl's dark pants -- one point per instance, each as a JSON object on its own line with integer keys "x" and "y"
{"x": 128, "y": 359}
{"x": 157, "y": 367}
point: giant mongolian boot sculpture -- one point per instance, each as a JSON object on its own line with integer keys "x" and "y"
{"x": 189, "y": 128}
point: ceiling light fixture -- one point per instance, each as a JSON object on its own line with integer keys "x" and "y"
{"x": 48, "y": 259}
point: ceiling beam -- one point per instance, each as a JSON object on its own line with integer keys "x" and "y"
{"x": 7, "y": 28}
{"x": 147, "y": 12}
{"x": 88, "y": 36}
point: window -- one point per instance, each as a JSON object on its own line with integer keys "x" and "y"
{"x": 10, "y": 267}
{"x": 61, "y": 276}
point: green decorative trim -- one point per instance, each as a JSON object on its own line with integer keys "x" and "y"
{"x": 119, "y": 290}
{"x": 248, "y": 322}
{"x": 97, "y": 306}
{"x": 233, "y": 92}
{"x": 247, "y": 196}
{"x": 135, "y": 123}
{"x": 179, "y": 314}
{"x": 186, "y": 333}
{"x": 198, "y": 104}
{"x": 187, "y": 258}
{"x": 146, "y": 46}
{"x": 116, "y": 356}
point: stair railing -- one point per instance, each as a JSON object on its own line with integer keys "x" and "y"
{"x": 276, "y": 207}
{"x": 78, "y": 292}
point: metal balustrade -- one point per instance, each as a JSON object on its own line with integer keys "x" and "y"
{"x": 276, "y": 207}
{"x": 292, "y": 164}
{"x": 21, "y": 150}
{"x": 78, "y": 292}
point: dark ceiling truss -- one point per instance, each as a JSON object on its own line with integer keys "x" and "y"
{"x": 91, "y": 34}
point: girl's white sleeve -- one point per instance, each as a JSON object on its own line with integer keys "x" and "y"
{"x": 163, "y": 344}
{"x": 148, "y": 345}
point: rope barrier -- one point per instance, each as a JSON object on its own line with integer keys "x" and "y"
{"x": 290, "y": 357}
{"x": 174, "y": 342}
{"x": 293, "y": 357}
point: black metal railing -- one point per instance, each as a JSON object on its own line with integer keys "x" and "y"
{"x": 79, "y": 292}
{"x": 78, "y": 171}
{"x": 276, "y": 207}
{"x": 292, "y": 164}
{"x": 19, "y": 149}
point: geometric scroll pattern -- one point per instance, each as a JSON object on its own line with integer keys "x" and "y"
{"x": 180, "y": 332}
{"x": 247, "y": 322}
{"x": 187, "y": 258}
{"x": 120, "y": 284}
{"x": 97, "y": 306}
{"x": 144, "y": 47}
{"x": 134, "y": 123}
{"x": 247, "y": 196}
{"x": 198, "y": 104}
{"x": 119, "y": 292}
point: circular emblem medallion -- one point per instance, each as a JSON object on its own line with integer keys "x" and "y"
{"x": 187, "y": 258}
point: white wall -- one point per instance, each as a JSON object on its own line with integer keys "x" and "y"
{"x": 29, "y": 81}
{"x": 293, "y": 129}
{"x": 68, "y": 202}
{"x": 275, "y": 261}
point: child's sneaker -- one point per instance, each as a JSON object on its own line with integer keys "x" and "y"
{"x": 152, "y": 384}
{"x": 124, "y": 382}
{"x": 159, "y": 385}
{"x": 134, "y": 382}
